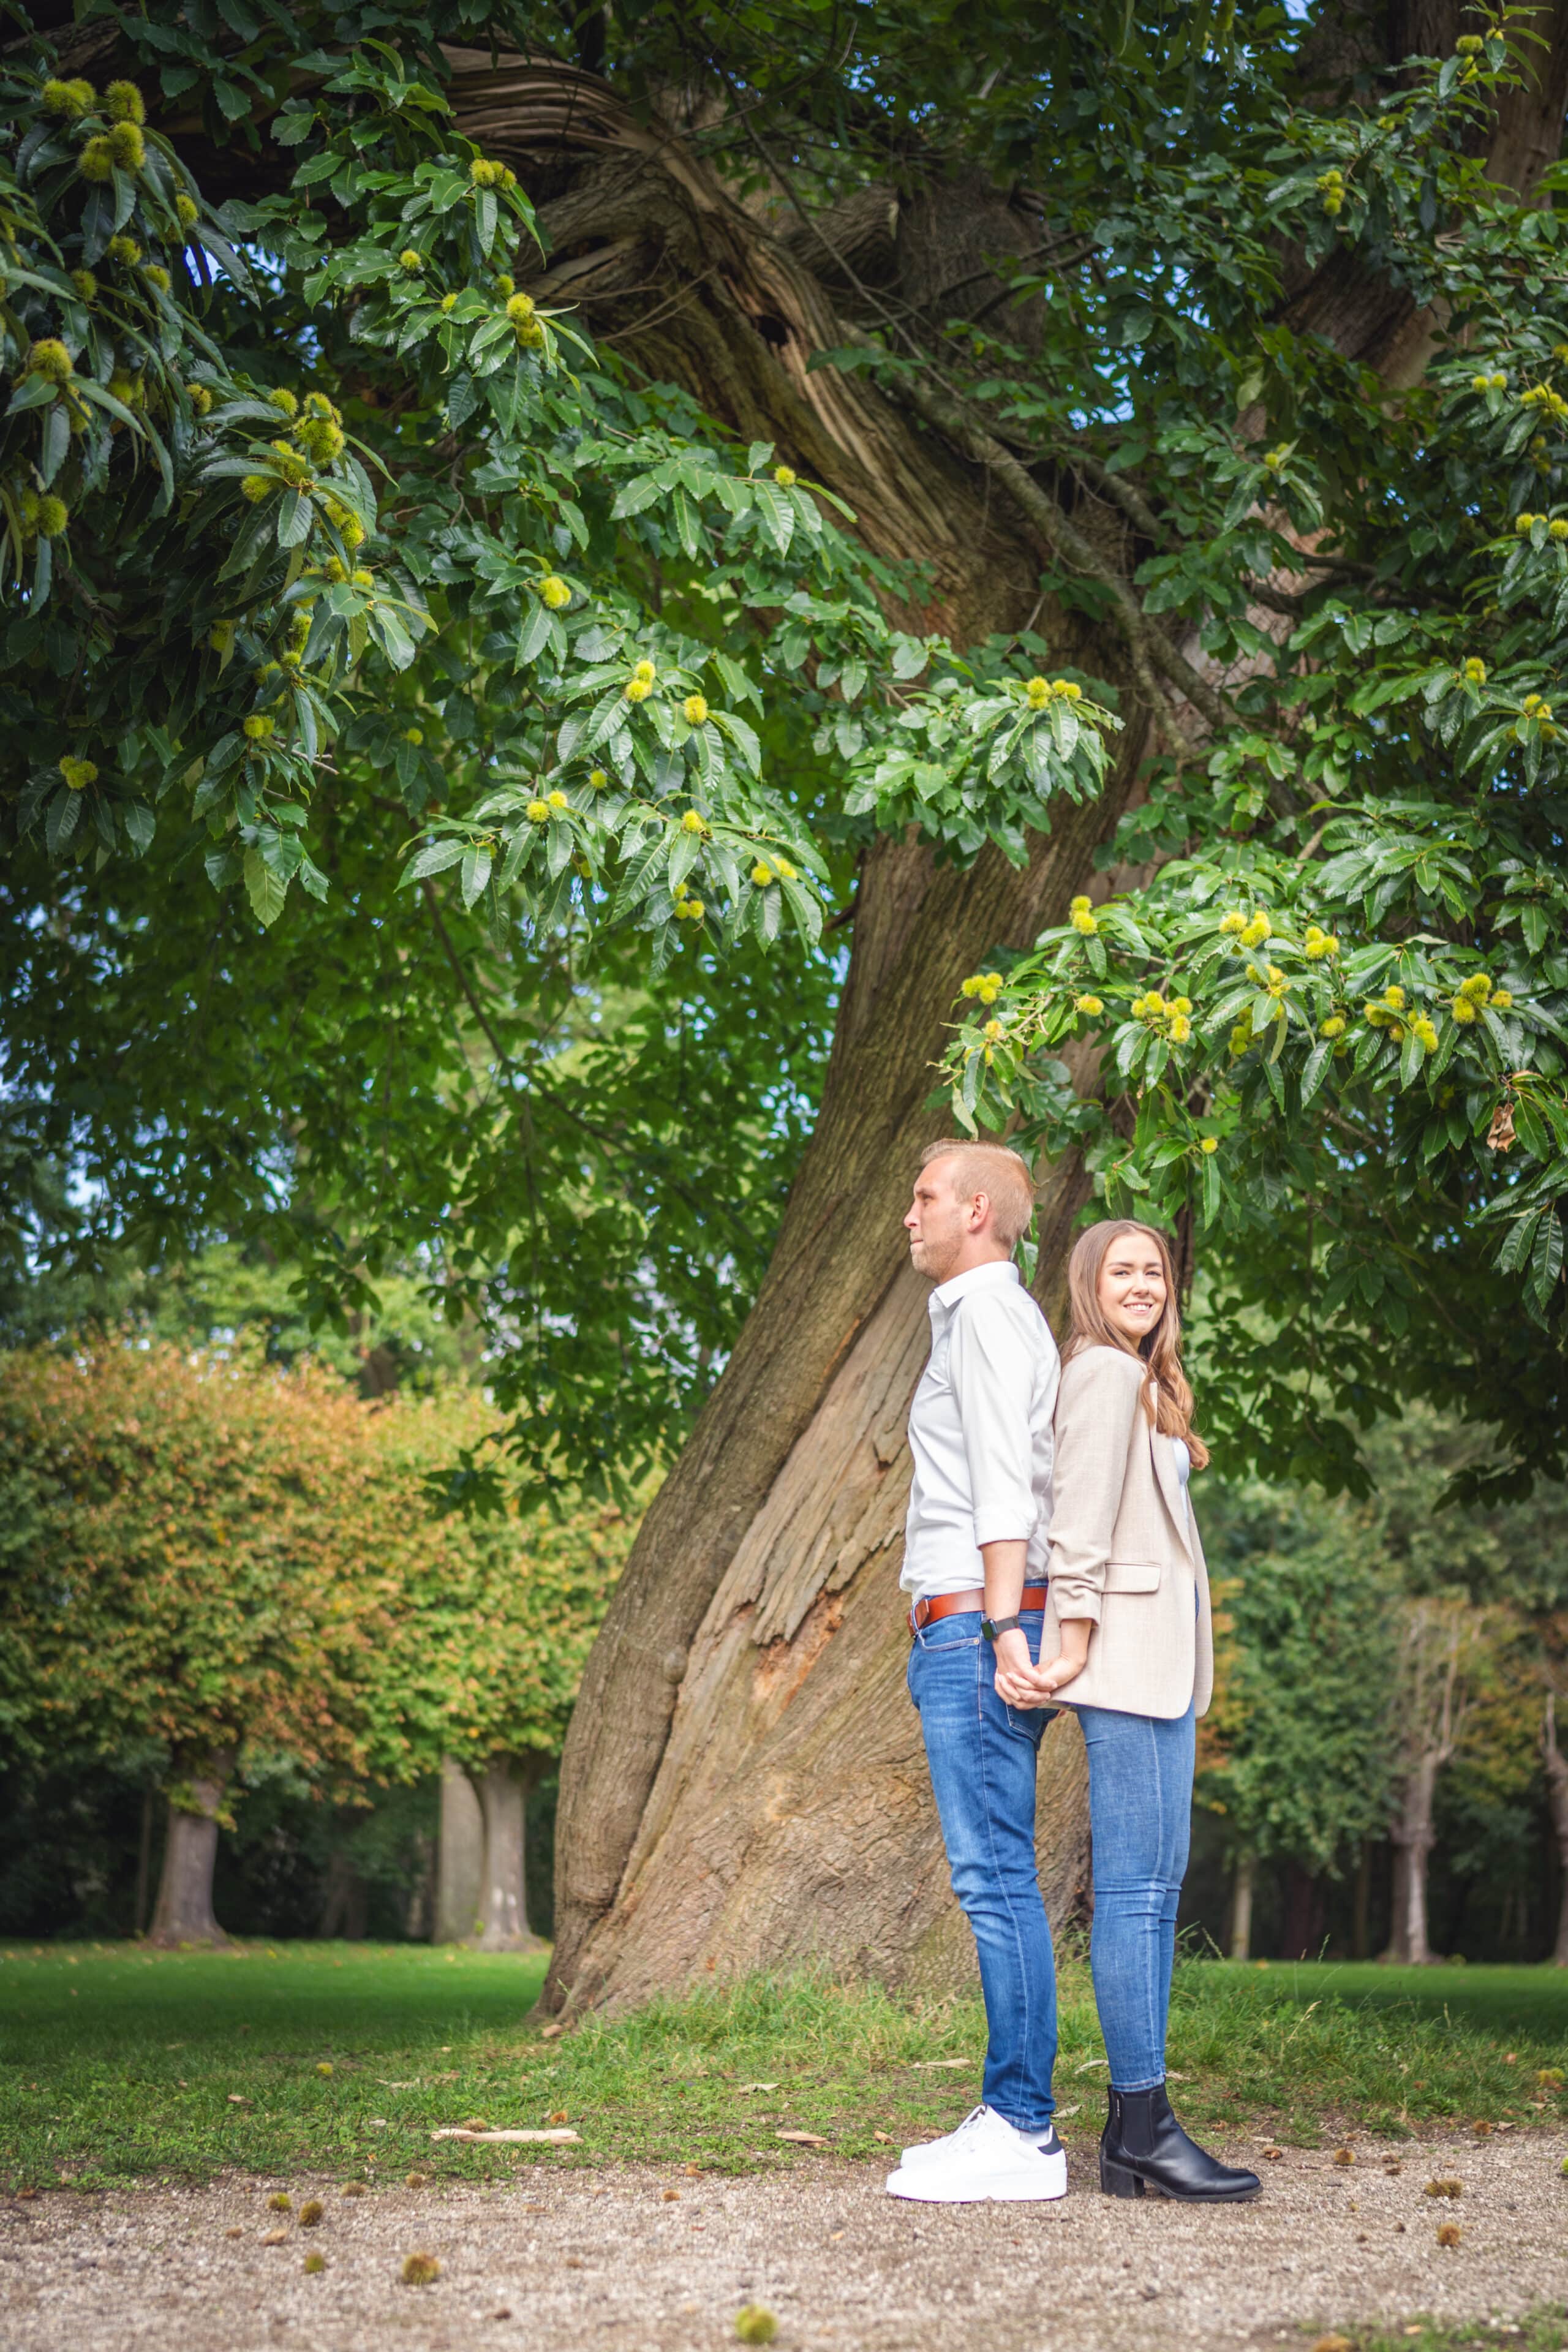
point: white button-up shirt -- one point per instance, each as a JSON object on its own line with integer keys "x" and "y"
{"x": 979, "y": 1432}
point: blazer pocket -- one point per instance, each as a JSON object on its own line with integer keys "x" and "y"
{"x": 1134, "y": 1576}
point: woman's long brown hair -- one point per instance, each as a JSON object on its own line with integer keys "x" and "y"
{"x": 1168, "y": 1399}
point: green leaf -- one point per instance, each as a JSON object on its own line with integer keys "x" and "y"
{"x": 635, "y": 496}
{"x": 534, "y": 636}
{"x": 266, "y": 888}
{"x": 1546, "y": 1257}
{"x": 295, "y": 516}
{"x": 476, "y": 872}
{"x": 778, "y": 515}
{"x": 434, "y": 858}
{"x": 1320, "y": 1061}
{"x": 61, "y": 822}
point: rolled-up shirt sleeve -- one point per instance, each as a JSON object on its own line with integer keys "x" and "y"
{"x": 993, "y": 1374}
{"x": 1100, "y": 1397}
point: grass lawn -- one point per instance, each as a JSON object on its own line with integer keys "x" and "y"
{"x": 1539, "y": 2331}
{"x": 116, "y": 2061}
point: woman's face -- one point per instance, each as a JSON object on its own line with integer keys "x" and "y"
{"x": 1132, "y": 1287}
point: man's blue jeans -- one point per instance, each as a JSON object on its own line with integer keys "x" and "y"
{"x": 982, "y": 1756}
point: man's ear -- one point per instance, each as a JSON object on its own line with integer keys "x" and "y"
{"x": 979, "y": 1210}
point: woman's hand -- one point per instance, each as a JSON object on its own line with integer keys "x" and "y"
{"x": 1050, "y": 1674}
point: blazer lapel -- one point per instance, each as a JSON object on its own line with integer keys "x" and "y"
{"x": 1170, "y": 1486}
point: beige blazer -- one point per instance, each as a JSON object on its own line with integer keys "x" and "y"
{"x": 1120, "y": 1552}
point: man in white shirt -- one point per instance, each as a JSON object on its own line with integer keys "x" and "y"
{"x": 975, "y": 1567}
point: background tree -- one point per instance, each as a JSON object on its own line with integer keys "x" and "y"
{"x": 1298, "y": 1747}
{"x": 1106, "y": 310}
{"x": 238, "y": 1570}
{"x": 1329, "y": 1756}
{"x": 177, "y": 1569}
{"x": 490, "y": 1625}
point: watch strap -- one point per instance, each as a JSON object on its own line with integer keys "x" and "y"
{"x": 991, "y": 1626}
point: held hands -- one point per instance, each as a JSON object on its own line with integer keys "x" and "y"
{"x": 1021, "y": 1685}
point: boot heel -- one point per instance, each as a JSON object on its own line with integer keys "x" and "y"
{"x": 1117, "y": 2181}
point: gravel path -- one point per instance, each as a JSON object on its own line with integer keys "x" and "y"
{"x": 663, "y": 2260}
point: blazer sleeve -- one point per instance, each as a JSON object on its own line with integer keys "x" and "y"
{"x": 1100, "y": 1401}
{"x": 992, "y": 1376}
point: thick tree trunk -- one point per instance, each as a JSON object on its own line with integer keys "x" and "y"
{"x": 762, "y": 1594}
{"x": 502, "y": 1791}
{"x": 184, "y": 1912}
{"x": 1241, "y": 1906}
{"x": 460, "y": 1857}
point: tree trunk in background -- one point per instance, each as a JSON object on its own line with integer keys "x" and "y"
{"x": 344, "y": 1900}
{"x": 1413, "y": 1838}
{"x": 1361, "y": 1929}
{"x": 1557, "y": 1798}
{"x": 459, "y": 1858}
{"x": 183, "y": 1913}
{"x": 420, "y": 1893}
{"x": 502, "y": 1789}
{"x": 1241, "y": 1906}
{"x": 1432, "y": 1697}
{"x": 144, "y": 1861}
{"x": 1302, "y": 1936}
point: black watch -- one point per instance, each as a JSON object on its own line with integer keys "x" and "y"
{"x": 991, "y": 1626}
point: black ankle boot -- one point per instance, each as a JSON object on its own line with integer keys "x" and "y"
{"x": 1143, "y": 2145}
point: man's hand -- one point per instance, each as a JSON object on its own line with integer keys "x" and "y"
{"x": 1068, "y": 1664}
{"x": 1017, "y": 1683}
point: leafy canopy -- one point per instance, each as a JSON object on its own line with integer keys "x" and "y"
{"x": 319, "y": 530}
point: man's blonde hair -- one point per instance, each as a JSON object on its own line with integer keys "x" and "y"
{"x": 1001, "y": 1174}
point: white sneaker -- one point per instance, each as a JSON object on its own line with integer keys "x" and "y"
{"x": 984, "y": 2159}
{"x": 925, "y": 2150}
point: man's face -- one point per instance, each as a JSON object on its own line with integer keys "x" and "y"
{"x": 938, "y": 1222}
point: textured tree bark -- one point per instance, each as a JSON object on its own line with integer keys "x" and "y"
{"x": 184, "y": 1911}
{"x": 460, "y": 1857}
{"x": 502, "y": 1791}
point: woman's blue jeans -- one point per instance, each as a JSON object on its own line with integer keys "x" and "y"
{"x": 982, "y": 1756}
{"x": 1140, "y": 1805}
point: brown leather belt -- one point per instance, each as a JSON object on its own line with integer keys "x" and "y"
{"x": 949, "y": 1604}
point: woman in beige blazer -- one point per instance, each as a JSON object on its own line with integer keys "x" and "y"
{"x": 1131, "y": 1645}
